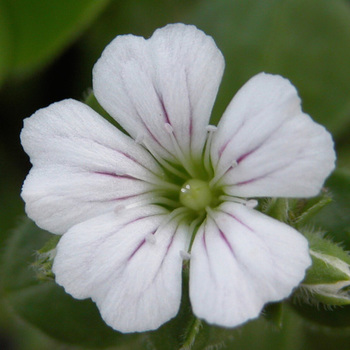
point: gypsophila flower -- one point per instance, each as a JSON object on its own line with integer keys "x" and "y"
{"x": 132, "y": 208}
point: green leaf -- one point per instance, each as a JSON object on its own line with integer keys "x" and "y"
{"x": 274, "y": 313}
{"x": 277, "y": 208}
{"x": 335, "y": 218}
{"x": 5, "y": 44}
{"x": 305, "y": 209}
{"x": 46, "y": 305}
{"x": 307, "y": 41}
{"x": 331, "y": 317}
{"x": 43, "y": 28}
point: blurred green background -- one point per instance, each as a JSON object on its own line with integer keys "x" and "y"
{"x": 47, "y": 51}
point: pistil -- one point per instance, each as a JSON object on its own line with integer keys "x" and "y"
{"x": 196, "y": 194}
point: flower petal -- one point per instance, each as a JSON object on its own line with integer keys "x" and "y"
{"x": 266, "y": 146}
{"x": 82, "y": 166}
{"x": 171, "y": 78}
{"x": 240, "y": 260}
{"x": 129, "y": 264}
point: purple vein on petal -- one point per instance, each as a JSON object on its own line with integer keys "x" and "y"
{"x": 231, "y": 138}
{"x": 162, "y": 105}
{"x": 116, "y": 175}
{"x": 166, "y": 252}
{"x": 246, "y": 182}
{"x": 120, "y": 198}
{"x": 137, "y": 249}
{"x": 224, "y": 238}
{"x": 238, "y": 220}
{"x": 245, "y": 155}
{"x": 140, "y": 117}
{"x": 125, "y": 225}
{"x": 128, "y": 156}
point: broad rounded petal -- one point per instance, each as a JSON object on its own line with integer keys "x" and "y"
{"x": 240, "y": 260}
{"x": 82, "y": 166}
{"x": 129, "y": 264}
{"x": 266, "y": 146}
{"x": 171, "y": 78}
{"x": 59, "y": 197}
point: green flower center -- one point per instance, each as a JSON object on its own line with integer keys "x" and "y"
{"x": 196, "y": 194}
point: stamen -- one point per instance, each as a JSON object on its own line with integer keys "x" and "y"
{"x": 186, "y": 164}
{"x": 223, "y": 172}
{"x": 152, "y": 199}
{"x": 163, "y": 162}
{"x": 137, "y": 204}
{"x": 150, "y": 238}
{"x": 250, "y": 203}
{"x": 172, "y": 215}
{"x": 192, "y": 229}
{"x": 185, "y": 255}
{"x": 166, "y": 201}
{"x": 207, "y": 158}
{"x": 210, "y": 212}
{"x": 211, "y": 128}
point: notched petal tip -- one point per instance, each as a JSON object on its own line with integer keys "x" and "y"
{"x": 280, "y": 151}
{"x": 82, "y": 166}
{"x": 134, "y": 280}
{"x": 171, "y": 78}
{"x": 241, "y": 260}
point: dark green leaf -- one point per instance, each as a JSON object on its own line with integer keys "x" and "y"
{"x": 323, "y": 315}
{"x": 335, "y": 218}
{"x": 274, "y": 313}
{"x": 46, "y": 305}
{"x": 42, "y": 28}
{"x": 5, "y": 44}
{"x": 307, "y": 41}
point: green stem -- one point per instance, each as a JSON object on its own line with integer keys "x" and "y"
{"x": 191, "y": 335}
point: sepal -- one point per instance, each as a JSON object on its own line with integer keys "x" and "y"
{"x": 44, "y": 259}
{"x": 295, "y": 212}
{"x": 301, "y": 211}
{"x": 328, "y": 279}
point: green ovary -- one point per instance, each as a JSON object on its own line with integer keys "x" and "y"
{"x": 196, "y": 194}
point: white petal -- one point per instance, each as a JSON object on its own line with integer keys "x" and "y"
{"x": 240, "y": 260}
{"x": 82, "y": 166}
{"x": 171, "y": 78}
{"x": 273, "y": 147}
{"x": 134, "y": 280}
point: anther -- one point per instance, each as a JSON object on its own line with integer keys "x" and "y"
{"x": 185, "y": 255}
{"x": 150, "y": 238}
{"x": 251, "y": 203}
{"x": 207, "y": 158}
{"x": 211, "y": 128}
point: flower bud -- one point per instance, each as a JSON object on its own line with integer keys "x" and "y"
{"x": 328, "y": 279}
{"x": 44, "y": 259}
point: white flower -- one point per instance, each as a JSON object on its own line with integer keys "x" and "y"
{"x": 132, "y": 208}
